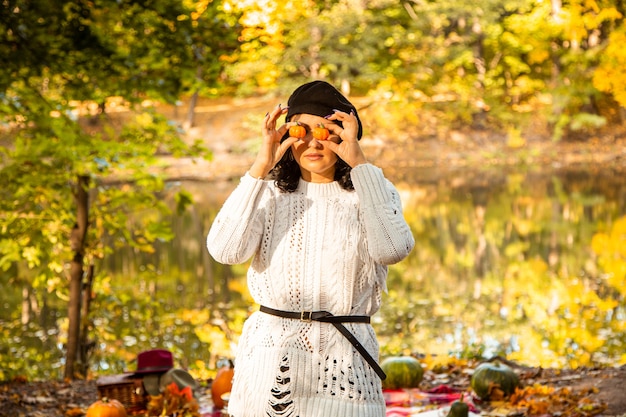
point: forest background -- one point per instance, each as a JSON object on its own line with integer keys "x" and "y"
{"x": 91, "y": 95}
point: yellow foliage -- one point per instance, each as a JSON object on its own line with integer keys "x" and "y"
{"x": 441, "y": 362}
{"x": 144, "y": 119}
{"x": 618, "y": 236}
{"x": 523, "y": 226}
{"x": 579, "y": 18}
{"x": 239, "y": 286}
{"x": 600, "y": 243}
{"x": 533, "y": 348}
{"x": 515, "y": 139}
{"x": 201, "y": 371}
{"x": 580, "y": 360}
{"x": 214, "y": 337}
{"x": 594, "y": 20}
{"x": 195, "y": 317}
{"x": 611, "y": 251}
{"x": 610, "y": 75}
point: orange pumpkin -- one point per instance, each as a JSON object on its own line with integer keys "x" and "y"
{"x": 320, "y": 132}
{"x": 106, "y": 407}
{"x": 297, "y": 131}
{"x": 222, "y": 384}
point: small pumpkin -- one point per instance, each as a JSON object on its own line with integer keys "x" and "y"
{"x": 488, "y": 377}
{"x": 222, "y": 384}
{"x": 106, "y": 407}
{"x": 402, "y": 372}
{"x": 297, "y": 131}
{"x": 320, "y": 132}
{"x": 459, "y": 408}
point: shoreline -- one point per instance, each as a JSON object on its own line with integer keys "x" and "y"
{"x": 435, "y": 166}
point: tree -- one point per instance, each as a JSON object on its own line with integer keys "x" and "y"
{"x": 67, "y": 66}
{"x": 610, "y": 76}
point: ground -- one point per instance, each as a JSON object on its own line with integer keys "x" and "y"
{"x": 597, "y": 392}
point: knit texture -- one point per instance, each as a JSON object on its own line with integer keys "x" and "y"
{"x": 319, "y": 248}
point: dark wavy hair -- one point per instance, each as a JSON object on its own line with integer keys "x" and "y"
{"x": 287, "y": 174}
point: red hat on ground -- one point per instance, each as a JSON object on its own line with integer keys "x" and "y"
{"x": 154, "y": 361}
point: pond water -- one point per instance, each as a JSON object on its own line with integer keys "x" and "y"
{"x": 523, "y": 263}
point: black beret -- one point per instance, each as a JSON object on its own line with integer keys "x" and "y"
{"x": 320, "y": 99}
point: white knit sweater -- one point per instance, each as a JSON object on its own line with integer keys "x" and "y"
{"x": 318, "y": 248}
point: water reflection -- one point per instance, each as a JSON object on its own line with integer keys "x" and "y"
{"x": 504, "y": 264}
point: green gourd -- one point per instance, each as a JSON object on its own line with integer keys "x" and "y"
{"x": 488, "y": 376}
{"x": 402, "y": 372}
{"x": 458, "y": 409}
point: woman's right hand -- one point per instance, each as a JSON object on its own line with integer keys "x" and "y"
{"x": 272, "y": 150}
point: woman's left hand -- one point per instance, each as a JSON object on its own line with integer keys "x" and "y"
{"x": 349, "y": 149}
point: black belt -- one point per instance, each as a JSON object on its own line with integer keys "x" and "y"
{"x": 326, "y": 317}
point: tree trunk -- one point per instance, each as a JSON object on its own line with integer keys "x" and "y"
{"x": 189, "y": 121}
{"x": 557, "y": 105}
{"x": 25, "y": 305}
{"x": 478, "y": 51}
{"x": 191, "y": 112}
{"x": 85, "y": 345}
{"x": 77, "y": 243}
{"x": 345, "y": 87}
{"x": 314, "y": 53}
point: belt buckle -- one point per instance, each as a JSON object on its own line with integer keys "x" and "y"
{"x": 306, "y": 316}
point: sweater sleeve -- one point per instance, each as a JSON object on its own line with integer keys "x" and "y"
{"x": 389, "y": 237}
{"x": 236, "y": 231}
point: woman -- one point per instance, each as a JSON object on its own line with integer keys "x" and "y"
{"x": 322, "y": 225}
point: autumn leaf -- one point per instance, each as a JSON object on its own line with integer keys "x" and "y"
{"x": 495, "y": 393}
{"x": 186, "y": 393}
{"x": 74, "y": 412}
{"x": 546, "y": 400}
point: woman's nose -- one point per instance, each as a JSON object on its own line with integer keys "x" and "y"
{"x": 314, "y": 143}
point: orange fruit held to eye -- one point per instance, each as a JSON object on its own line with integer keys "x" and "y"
{"x": 297, "y": 131}
{"x": 320, "y": 132}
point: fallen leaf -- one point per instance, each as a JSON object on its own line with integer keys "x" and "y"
{"x": 74, "y": 412}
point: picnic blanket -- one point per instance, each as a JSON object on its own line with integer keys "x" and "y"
{"x": 434, "y": 402}
{"x": 438, "y": 412}
{"x": 412, "y": 402}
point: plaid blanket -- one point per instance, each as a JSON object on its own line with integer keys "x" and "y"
{"x": 413, "y": 401}
{"x": 404, "y": 402}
